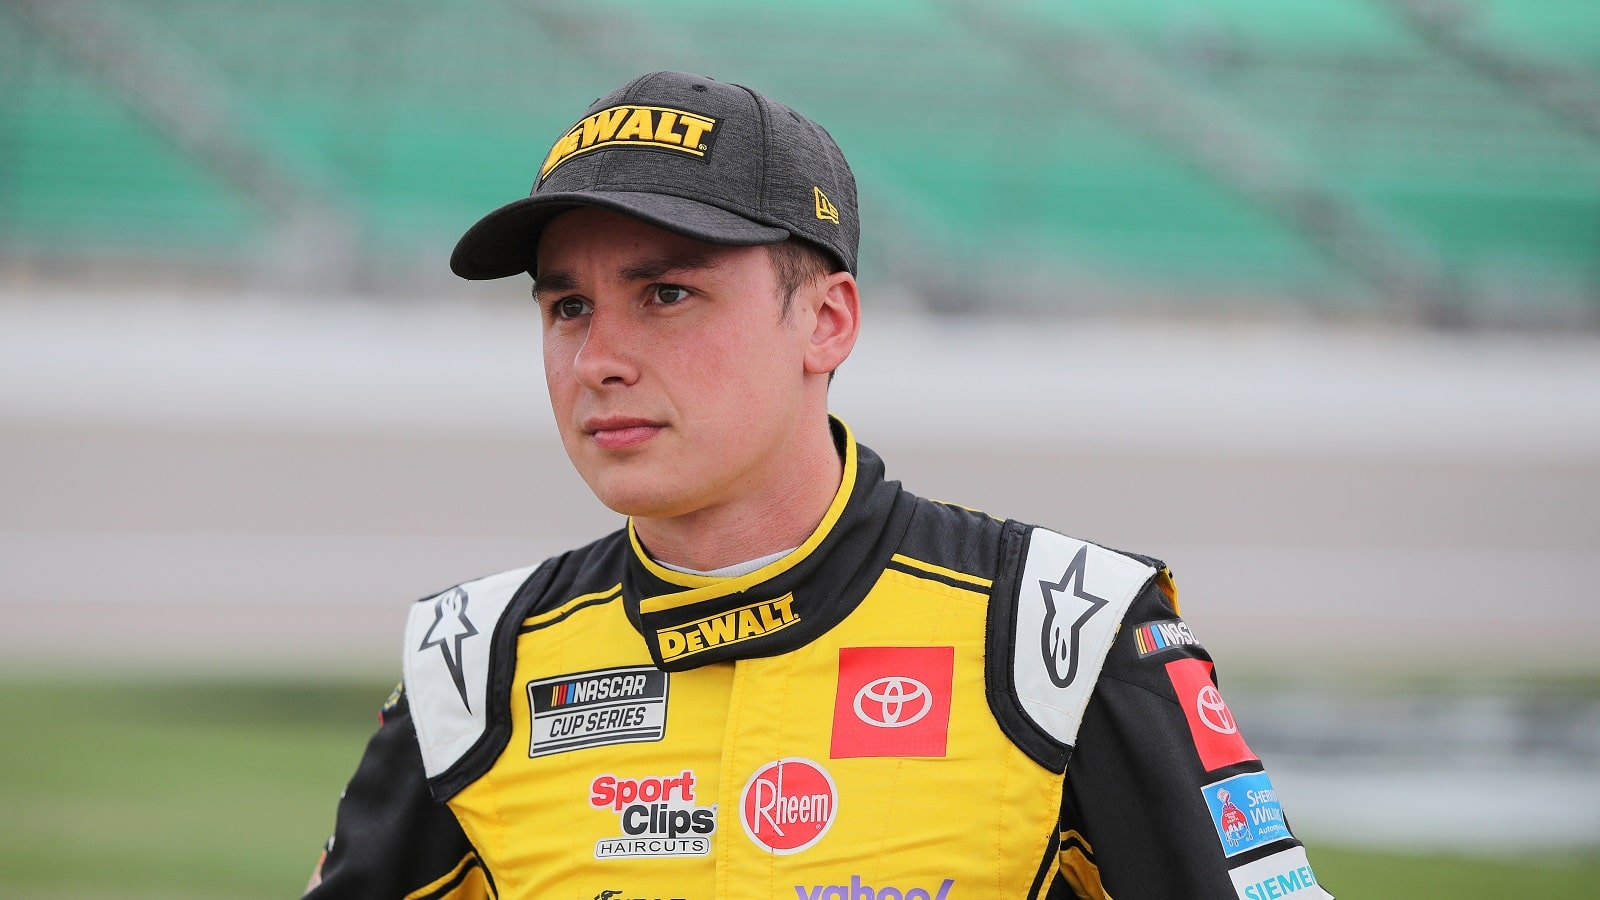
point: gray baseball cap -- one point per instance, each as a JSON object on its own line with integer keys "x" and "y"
{"x": 710, "y": 160}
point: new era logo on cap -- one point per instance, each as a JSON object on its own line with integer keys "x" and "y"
{"x": 826, "y": 211}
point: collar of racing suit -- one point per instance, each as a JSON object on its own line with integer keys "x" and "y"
{"x": 693, "y": 620}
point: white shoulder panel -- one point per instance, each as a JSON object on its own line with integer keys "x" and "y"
{"x": 1070, "y": 601}
{"x": 447, "y": 665}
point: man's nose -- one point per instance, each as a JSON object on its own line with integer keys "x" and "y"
{"x": 607, "y": 356}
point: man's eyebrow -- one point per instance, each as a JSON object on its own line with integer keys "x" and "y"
{"x": 557, "y": 280}
{"x": 651, "y": 269}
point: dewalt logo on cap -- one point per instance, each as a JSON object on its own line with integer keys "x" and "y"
{"x": 648, "y": 127}
{"x": 731, "y": 627}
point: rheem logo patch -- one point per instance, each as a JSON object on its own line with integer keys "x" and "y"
{"x": 1216, "y": 735}
{"x": 892, "y": 701}
{"x": 788, "y": 805}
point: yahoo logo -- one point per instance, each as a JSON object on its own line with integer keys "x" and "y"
{"x": 855, "y": 890}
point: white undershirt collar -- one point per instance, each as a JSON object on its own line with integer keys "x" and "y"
{"x": 735, "y": 570}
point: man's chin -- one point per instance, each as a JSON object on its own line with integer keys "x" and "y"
{"x": 640, "y": 498}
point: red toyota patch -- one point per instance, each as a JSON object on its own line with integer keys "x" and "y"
{"x": 788, "y": 805}
{"x": 1216, "y": 735}
{"x": 892, "y": 701}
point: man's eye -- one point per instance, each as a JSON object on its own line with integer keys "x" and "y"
{"x": 570, "y": 308}
{"x": 671, "y": 293}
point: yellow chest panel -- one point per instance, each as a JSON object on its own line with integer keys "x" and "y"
{"x": 865, "y": 760}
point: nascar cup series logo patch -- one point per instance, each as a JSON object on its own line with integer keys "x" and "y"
{"x": 788, "y": 805}
{"x": 593, "y": 709}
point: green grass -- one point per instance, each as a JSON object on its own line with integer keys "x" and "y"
{"x": 173, "y": 790}
{"x": 1368, "y": 875}
{"x": 183, "y": 791}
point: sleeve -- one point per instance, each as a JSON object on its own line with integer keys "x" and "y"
{"x": 1163, "y": 797}
{"x": 391, "y": 838}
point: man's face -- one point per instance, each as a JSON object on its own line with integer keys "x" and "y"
{"x": 674, "y": 380}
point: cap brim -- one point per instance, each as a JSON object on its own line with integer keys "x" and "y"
{"x": 505, "y": 241}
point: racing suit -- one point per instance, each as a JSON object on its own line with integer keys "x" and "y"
{"x": 921, "y": 702}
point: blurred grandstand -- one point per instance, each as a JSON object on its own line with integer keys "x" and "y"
{"x": 1417, "y": 160}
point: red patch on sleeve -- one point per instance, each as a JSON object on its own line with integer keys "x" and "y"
{"x": 1216, "y": 734}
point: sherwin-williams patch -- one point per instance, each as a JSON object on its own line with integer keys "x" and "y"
{"x": 637, "y": 127}
{"x": 1246, "y": 812}
{"x": 593, "y": 709}
{"x": 1286, "y": 873}
{"x": 1154, "y": 637}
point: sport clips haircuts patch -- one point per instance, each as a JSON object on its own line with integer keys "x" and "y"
{"x": 639, "y": 127}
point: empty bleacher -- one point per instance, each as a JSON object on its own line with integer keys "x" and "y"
{"x": 1337, "y": 155}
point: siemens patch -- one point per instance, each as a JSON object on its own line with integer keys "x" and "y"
{"x": 593, "y": 709}
{"x": 735, "y": 625}
{"x": 641, "y": 127}
{"x": 1285, "y": 874}
{"x": 1246, "y": 812}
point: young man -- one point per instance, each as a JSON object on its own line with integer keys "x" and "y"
{"x": 786, "y": 676}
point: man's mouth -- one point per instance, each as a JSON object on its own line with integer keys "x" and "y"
{"x": 621, "y": 433}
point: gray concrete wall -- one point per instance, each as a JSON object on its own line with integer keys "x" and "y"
{"x": 257, "y": 484}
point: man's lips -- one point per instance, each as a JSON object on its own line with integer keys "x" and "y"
{"x": 620, "y": 433}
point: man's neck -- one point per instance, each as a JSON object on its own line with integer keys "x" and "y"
{"x": 778, "y": 519}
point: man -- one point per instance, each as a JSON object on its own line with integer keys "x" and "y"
{"x": 785, "y": 676}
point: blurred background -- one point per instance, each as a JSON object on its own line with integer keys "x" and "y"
{"x": 1302, "y": 297}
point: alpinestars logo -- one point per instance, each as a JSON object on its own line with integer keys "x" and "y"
{"x": 1059, "y": 638}
{"x": 450, "y": 627}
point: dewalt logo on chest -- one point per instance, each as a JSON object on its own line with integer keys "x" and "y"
{"x": 648, "y": 127}
{"x": 742, "y": 624}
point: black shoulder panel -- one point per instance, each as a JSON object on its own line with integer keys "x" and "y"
{"x": 1000, "y": 659}
{"x": 451, "y": 767}
{"x": 954, "y": 537}
{"x": 1054, "y": 614}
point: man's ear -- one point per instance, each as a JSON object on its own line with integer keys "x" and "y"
{"x": 836, "y": 322}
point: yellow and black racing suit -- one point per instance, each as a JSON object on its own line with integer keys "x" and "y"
{"x": 921, "y": 702}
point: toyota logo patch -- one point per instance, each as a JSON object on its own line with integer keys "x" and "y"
{"x": 893, "y": 701}
{"x": 1214, "y": 712}
{"x": 1211, "y": 724}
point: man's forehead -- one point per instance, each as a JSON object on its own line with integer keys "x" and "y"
{"x": 629, "y": 248}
